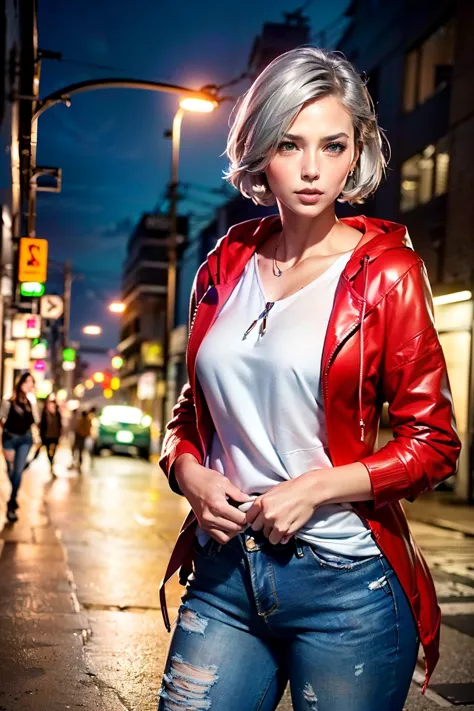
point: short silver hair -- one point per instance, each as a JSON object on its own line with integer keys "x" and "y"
{"x": 265, "y": 112}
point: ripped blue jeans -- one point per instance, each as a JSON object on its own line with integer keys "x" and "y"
{"x": 255, "y": 616}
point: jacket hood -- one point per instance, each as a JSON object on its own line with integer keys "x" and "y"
{"x": 232, "y": 252}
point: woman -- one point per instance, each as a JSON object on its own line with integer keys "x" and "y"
{"x": 17, "y": 417}
{"x": 50, "y": 429}
{"x": 301, "y": 326}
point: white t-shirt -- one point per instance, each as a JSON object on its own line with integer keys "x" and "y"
{"x": 264, "y": 395}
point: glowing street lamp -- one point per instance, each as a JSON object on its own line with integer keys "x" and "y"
{"x": 117, "y": 307}
{"x": 98, "y": 377}
{"x": 199, "y": 106}
{"x": 92, "y": 330}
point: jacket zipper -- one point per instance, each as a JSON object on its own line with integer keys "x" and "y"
{"x": 365, "y": 260}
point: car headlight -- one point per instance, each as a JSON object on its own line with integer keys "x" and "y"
{"x": 146, "y": 421}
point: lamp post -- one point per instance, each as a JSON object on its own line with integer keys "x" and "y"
{"x": 63, "y": 96}
{"x": 195, "y": 105}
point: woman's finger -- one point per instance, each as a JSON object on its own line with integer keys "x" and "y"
{"x": 223, "y": 524}
{"x": 259, "y": 522}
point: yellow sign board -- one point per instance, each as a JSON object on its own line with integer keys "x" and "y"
{"x": 33, "y": 262}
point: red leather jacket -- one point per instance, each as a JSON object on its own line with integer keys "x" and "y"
{"x": 381, "y": 345}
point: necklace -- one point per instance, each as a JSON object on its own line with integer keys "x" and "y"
{"x": 276, "y": 269}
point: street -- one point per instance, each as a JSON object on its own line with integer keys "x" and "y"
{"x": 79, "y": 577}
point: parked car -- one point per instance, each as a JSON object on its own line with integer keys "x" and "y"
{"x": 123, "y": 428}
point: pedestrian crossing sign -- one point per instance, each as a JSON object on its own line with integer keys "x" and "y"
{"x": 33, "y": 261}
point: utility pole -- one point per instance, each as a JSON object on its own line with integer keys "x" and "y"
{"x": 67, "y": 320}
{"x": 67, "y": 303}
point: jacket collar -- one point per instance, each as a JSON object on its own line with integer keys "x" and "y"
{"x": 232, "y": 252}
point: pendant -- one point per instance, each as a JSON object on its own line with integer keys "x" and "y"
{"x": 276, "y": 269}
{"x": 263, "y": 316}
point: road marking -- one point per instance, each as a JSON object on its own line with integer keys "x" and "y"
{"x": 451, "y": 588}
{"x": 143, "y": 520}
{"x": 419, "y": 679}
{"x": 457, "y": 608}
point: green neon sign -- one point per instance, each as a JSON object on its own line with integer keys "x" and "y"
{"x": 32, "y": 288}
{"x": 69, "y": 355}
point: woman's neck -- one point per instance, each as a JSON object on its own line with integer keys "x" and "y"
{"x": 302, "y": 237}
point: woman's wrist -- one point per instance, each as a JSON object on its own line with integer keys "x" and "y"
{"x": 181, "y": 464}
{"x": 318, "y": 486}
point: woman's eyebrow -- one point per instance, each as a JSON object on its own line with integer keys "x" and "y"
{"x": 294, "y": 137}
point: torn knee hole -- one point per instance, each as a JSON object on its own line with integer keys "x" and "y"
{"x": 310, "y": 697}
{"x": 378, "y": 583}
{"x": 186, "y": 687}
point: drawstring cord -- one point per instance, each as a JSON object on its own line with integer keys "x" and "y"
{"x": 361, "y": 357}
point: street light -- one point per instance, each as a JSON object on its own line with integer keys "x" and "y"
{"x": 194, "y": 105}
{"x": 92, "y": 330}
{"x": 200, "y": 106}
{"x": 117, "y": 307}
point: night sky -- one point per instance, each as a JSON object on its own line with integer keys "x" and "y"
{"x": 110, "y": 144}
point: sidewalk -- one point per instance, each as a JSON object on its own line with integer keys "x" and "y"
{"x": 43, "y": 632}
{"x": 441, "y": 509}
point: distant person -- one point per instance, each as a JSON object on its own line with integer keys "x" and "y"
{"x": 82, "y": 432}
{"x": 50, "y": 429}
{"x": 17, "y": 416}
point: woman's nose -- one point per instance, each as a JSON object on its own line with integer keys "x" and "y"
{"x": 309, "y": 168}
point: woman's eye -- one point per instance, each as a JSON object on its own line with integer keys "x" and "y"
{"x": 286, "y": 146}
{"x": 339, "y": 147}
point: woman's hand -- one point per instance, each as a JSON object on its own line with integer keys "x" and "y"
{"x": 284, "y": 509}
{"x": 207, "y": 491}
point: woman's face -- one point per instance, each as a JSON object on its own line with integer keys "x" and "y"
{"x": 316, "y": 154}
{"x": 51, "y": 405}
{"x": 28, "y": 385}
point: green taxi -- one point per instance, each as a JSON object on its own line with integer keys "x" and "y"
{"x": 122, "y": 428}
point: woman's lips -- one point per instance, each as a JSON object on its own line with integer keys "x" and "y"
{"x": 309, "y": 198}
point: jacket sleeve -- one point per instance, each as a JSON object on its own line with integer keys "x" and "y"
{"x": 181, "y": 431}
{"x": 425, "y": 445}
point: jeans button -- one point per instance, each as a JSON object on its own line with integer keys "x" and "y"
{"x": 250, "y": 544}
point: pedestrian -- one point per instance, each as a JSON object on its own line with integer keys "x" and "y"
{"x": 51, "y": 429}
{"x": 302, "y": 325}
{"x": 17, "y": 417}
{"x": 82, "y": 432}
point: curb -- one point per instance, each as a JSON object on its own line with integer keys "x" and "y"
{"x": 466, "y": 530}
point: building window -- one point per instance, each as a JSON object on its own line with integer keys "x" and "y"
{"x": 442, "y": 167}
{"x": 428, "y": 67}
{"x": 425, "y": 175}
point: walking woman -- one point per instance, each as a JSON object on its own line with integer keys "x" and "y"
{"x": 297, "y": 557}
{"x": 17, "y": 417}
{"x": 50, "y": 429}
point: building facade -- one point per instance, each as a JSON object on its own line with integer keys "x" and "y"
{"x": 144, "y": 287}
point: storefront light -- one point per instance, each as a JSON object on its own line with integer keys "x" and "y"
{"x": 453, "y": 298}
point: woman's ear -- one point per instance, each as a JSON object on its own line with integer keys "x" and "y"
{"x": 357, "y": 150}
